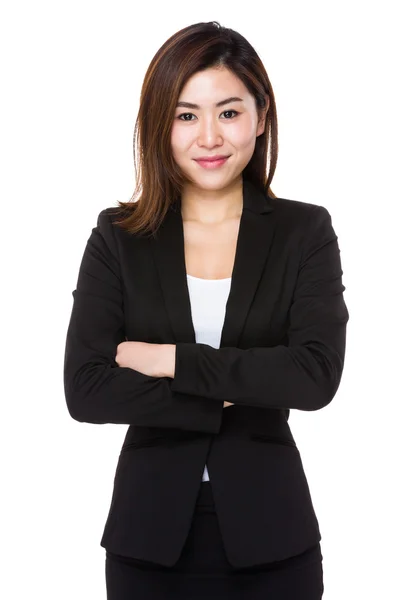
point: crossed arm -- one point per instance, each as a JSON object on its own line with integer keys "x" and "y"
{"x": 155, "y": 360}
{"x": 191, "y": 390}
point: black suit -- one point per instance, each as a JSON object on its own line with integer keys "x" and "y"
{"x": 282, "y": 348}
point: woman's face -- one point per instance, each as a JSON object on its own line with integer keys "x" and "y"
{"x": 208, "y": 130}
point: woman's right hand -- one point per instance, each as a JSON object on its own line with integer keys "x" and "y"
{"x": 225, "y": 404}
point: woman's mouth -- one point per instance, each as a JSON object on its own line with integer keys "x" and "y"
{"x": 212, "y": 164}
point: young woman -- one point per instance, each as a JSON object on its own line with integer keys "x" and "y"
{"x": 206, "y": 292}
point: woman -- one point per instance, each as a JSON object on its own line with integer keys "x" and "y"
{"x": 208, "y": 293}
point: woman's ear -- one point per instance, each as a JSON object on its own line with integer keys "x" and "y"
{"x": 262, "y": 117}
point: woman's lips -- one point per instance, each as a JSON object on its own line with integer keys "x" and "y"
{"x": 212, "y": 164}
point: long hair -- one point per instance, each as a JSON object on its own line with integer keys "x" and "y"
{"x": 158, "y": 179}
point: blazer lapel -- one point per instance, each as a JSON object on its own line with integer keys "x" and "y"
{"x": 253, "y": 244}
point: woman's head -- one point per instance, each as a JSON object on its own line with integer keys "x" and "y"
{"x": 205, "y": 125}
{"x": 202, "y": 64}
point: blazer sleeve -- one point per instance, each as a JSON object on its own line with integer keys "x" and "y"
{"x": 304, "y": 374}
{"x": 97, "y": 389}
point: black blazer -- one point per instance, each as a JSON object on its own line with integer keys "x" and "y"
{"x": 282, "y": 348}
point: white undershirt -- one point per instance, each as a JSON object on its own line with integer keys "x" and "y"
{"x": 208, "y": 298}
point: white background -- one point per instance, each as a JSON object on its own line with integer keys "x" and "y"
{"x": 71, "y": 74}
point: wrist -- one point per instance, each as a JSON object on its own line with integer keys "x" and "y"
{"x": 170, "y": 360}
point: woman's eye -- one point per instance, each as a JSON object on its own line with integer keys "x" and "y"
{"x": 191, "y": 114}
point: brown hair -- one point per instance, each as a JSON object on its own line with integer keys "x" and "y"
{"x": 158, "y": 178}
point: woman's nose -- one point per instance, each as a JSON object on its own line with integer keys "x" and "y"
{"x": 209, "y": 132}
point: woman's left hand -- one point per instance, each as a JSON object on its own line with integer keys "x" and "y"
{"x": 155, "y": 360}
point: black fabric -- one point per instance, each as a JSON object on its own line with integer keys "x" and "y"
{"x": 282, "y": 348}
{"x": 203, "y": 572}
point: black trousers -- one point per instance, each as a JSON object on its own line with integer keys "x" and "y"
{"x": 203, "y": 571}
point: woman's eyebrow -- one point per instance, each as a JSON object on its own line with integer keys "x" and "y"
{"x": 221, "y": 103}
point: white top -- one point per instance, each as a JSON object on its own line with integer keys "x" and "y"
{"x": 208, "y": 298}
